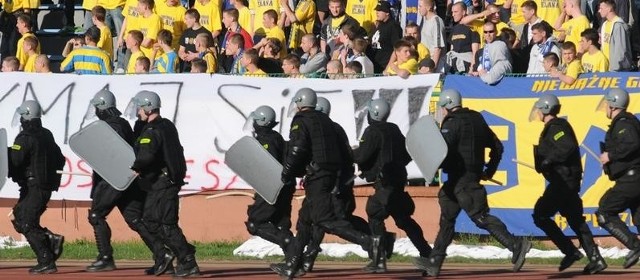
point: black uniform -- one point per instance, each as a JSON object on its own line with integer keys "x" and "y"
{"x": 130, "y": 202}
{"x": 622, "y": 142}
{"x": 382, "y": 157}
{"x": 467, "y": 135}
{"x": 33, "y": 161}
{"x": 272, "y": 222}
{"x": 314, "y": 153}
{"x": 161, "y": 164}
{"x": 558, "y": 159}
{"x": 343, "y": 200}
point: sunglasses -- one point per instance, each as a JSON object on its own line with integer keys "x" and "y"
{"x": 489, "y": 31}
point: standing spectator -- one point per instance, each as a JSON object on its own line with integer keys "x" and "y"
{"x": 302, "y": 21}
{"x": 133, "y": 41}
{"x": 291, "y": 66}
{"x": 494, "y": 61}
{"x": 10, "y": 64}
{"x": 432, "y": 31}
{"x": 519, "y": 58}
{"x": 270, "y": 29}
{"x": 530, "y": 13}
{"x": 614, "y": 35}
{"x": 131, "y": 16}
{"x": 569, "y": 29}
{"x": 30, "y": 45}
{"x": 464, "y": 43}
{"x": 171, "y": 13}
{"x": 476, "y": 21}
{"x": 235, "y": 50}
{"x": 149, "y": 24}
{"x": 257, "y": 9}
{"x": 549, "y": 10}
{"x": 168, "y": 61}
{"x": 9, "y": 43}
{"x": 187, "y": 50}
{"x": 206, "y": 52}
{"x": 412, "y": 31}
{"x": 230, "y": 21}
{"x": 593, "y": 60}
{"x": 244, "y": 15}
{"x": 72, "y": 44}
{"x": 209, "y": 11}
{"x": 387, "y": 32}
{"x": 571, "y": 67}
{"x": 88, "y": 6}
{"x": 313, "y": 60}
{"x": 23, "y": 24}
{"x": 405, "y": 64}
{"x": 42, "y": 64}
{"x": 88, "y": 59}
{"x": 543, "y": 43}
{"x": 363, "y": 12}
{"x": 331, "y": 28}
{"x": 516, "y": 16}
{"x": 114, "y": 16}
{"x": 106, "y": 40}
{"x": 249, "y": 61}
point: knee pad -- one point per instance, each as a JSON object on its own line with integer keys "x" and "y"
{"x": 251, "y": 228}
{"x": 94, "y": 219}
{"x": 134, "y": 224}
{"x": 169, "y": 230}
{"x": 603, "y": 218}
{"x": 17, "y": 225}
{"x": 482, "y": 220}
{"x": 539, "y": 220}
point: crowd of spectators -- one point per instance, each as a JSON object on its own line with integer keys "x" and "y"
{"x": 337, "y": 38}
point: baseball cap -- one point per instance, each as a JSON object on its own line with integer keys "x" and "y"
{"x": 383, "y": 6}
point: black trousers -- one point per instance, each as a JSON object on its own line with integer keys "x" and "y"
{"x": 559, "y": 197}
{"x": 10, "y": 35}
{"x": 130, "y": 203}
{"x": 31, "y": 205}
{"x": 161, "y": 218}
{"x": 272, "y": 222}
{"x": 467, "y": 194}
{"x": 624, "y": 195}
{"x": 393, "y": 201}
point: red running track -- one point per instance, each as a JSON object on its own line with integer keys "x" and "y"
{"x": 324, "y": 270}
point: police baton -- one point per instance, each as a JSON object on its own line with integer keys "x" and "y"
{"x": 72, "y": 173}
{"x": 492, "y": 181}
{"x": 590, "y": 152}
{"x": 523, "y": 163}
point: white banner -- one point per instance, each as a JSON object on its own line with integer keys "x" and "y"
{"x": 209, "y": 112}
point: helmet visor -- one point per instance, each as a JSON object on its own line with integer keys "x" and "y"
{"x": 602, "y": 105}
{"x": 535, "y": 114}
{"x": 131, "y": 111}
{"x": 91, "y": 113}
{"x": 440, "y": 113}
{"x": 15, "y": 122}
{"x": 293, "y": 109}
{"x": 248, "y": 125}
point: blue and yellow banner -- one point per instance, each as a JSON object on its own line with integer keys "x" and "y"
{"x": 506, "y": 108}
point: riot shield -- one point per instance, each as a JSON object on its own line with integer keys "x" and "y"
{"x": 106, "y": 152}
{"x": 426, "y": 146}
{"x": 4, "y": 157}
{"x": 256, "y": 166}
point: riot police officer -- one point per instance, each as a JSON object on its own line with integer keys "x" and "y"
{"x": 271, "y": 222}
{"x": 557, "y": 157}
{"x": 467, "y": 135}
{"x": 621, "y": 162}
{"x": 161, "y": 167}
{"x": 34, "y": 158}
{"x": 343, "y": 199}
{"x": 130, "y": 202}
{"x": 313, "y": 152}
{"x": 382, "y": 157}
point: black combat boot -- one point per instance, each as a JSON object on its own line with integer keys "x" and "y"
{"x": 377, "y": 254}
{"x": 569, "y": 259}
{"x": 57, "y": 242}
{"x": 188, "y": 268}
{"x": 44, "y": 268}
{"x": 389, "y": 242}
{"x": 520, "y": 251}
{"x": 309, "y": 259}
{"x": 290, "y": 269}
{"x": 429, "y": 265}
{"x": 102, "y": 263}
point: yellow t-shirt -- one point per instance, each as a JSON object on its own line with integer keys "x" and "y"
{"x": 364, "y": 12}
{"x": 517, "y": 17}
{"x": 257, "y": 9}
{"x": 258, "y": 73}
{"x": 149, "y": 26}
{"x": 30, "y": 66}
{"x": 573, "y": 27}
{"x": 410, "y": 65}
{"x": 173, "y": 20}
{"x": 106, "y": 40}
{"x": 16, "y": 5}
{"x": 89, "y": 4}
{"x": 605, "y": 40}
{"x": 111, "y": 4}
{"x": 306, "y": 14}
{"x": 130, "y": 12}
{"x": 423, "y": 52}
{"x": 573, "y": 69}
{"x": 131, "y": 67}
{"x": 20, "y": 53}
{"x": 549, "y": 10}
{"x": 209, "y": 15}
{"x": 278, "y": 33}
{"x": 596, "y": 62}
{"x": 211, "y": 62}
{"x": 244, "y": 18}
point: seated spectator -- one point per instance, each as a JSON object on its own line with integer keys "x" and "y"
{"x": 132, "y": 41}
{"x": 42, "y": 64}
{"x": 72, "y": 44}
{"x": 313, "y": 60}
{"x": 106, "y": 40}
{"x": 206, "y": 51}
{"x": 24, "y": 28}
{"x": 494, "y": 60}
{"x": 427, "y": 66}
{"x": 406, "y": 63}
{"x": 550, "y": 62}
{"x": 269, "y": 61}
{"x": 413, "y": 30}
{"x": 30, "y": 45}
{"x": 235, "y": 48}
{"x": 143, "y": 65}
{"x": 291, "y": 66}
{"x": 420, "y": 50}
{"x": 353, "y": 70}
{"x": 168, "y": 61}
{"x": 543, "y": 43}
{"x": 249, "y": 61}
{"x": 593, "y": 60}
{"x": 359, "y": 47}
{"x": 88, "y": 59}
{"x": 198, "y": 66}
{"x": 334, "y": 70}
{"x": 571, "y": 67}
{"x": 10, "y": 64}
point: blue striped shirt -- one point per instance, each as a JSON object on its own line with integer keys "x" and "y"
{"x": 87, "y": 60}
